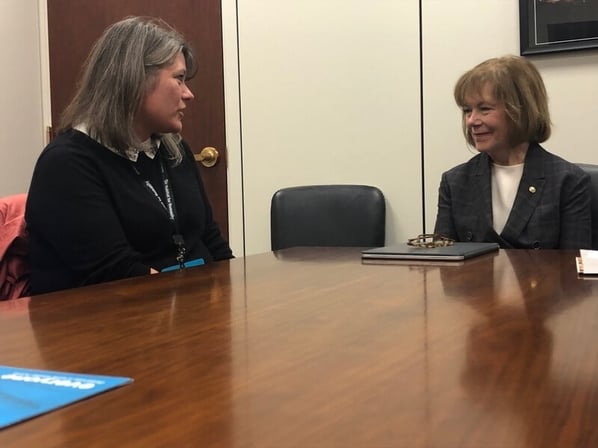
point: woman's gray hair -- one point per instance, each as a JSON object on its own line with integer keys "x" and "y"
{"x": 121, "y": 67}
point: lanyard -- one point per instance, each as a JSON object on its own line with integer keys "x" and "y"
{"x": 170, "y": 209}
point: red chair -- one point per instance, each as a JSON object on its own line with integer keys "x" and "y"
{"x": 14, "y": 265}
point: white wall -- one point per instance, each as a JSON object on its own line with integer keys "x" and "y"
{"x": 329, "y": 94}
{"x": 22, "y": 135}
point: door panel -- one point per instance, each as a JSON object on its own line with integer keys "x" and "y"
{"x": 73, "y": 27}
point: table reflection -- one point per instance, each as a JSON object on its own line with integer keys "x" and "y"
{"x": 176, "y": 338}
{"x": 509, "y": 365}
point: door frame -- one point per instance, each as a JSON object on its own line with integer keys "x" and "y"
{"x": 233, "y": 123}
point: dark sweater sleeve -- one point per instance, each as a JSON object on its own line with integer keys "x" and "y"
{"x": 76, "y": 236}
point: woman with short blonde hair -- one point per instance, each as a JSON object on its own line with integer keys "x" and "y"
{"x": 513, "y": 191}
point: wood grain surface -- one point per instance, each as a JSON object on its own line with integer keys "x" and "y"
{"x": 309, "y": 347}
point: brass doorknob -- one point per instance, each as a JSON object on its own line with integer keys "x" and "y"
{"x": 208, "y": 156}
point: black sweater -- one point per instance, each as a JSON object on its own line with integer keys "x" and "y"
{"x": 91, "y": 219}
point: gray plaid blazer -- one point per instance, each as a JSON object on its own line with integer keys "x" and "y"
{"x": 551, "y": 209}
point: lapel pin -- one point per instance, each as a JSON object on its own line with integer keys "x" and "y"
{"x": 532, "y": 189}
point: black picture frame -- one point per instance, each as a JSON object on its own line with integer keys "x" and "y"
{"x": 547, "y": 26}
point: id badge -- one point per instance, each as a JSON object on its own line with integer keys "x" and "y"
{"x": 188, "y": 264}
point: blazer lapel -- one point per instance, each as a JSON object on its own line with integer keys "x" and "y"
{"x": 528, "y": 194}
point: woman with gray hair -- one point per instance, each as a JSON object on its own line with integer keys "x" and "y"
{"x": 117, "y": 194}
{"x": 513, "y": 191}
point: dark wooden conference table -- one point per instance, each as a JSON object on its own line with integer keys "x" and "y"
{"x": 309, "y": 347}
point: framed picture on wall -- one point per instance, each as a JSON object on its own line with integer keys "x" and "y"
{"x": 557, "y": 25}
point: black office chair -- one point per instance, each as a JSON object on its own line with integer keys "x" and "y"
{"x": 592, "y": 170}
{"x": 327, "y": 215}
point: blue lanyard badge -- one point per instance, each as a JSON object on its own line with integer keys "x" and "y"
{"x": 187, "y": 264}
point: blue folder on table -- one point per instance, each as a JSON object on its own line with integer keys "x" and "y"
{"x": 27, "y": 393}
